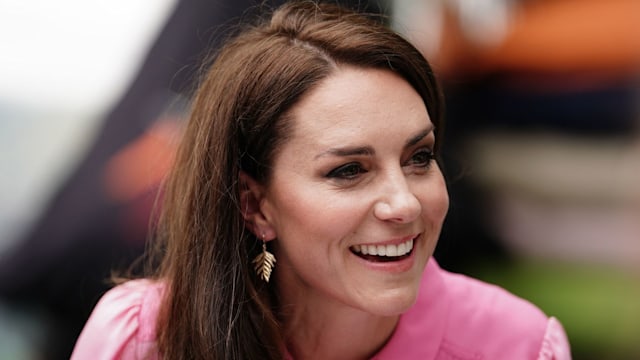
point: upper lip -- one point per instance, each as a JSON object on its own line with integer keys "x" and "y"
{"x": 394, "y": 241}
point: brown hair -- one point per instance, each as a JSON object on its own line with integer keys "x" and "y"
{"x": 215, "y": 307}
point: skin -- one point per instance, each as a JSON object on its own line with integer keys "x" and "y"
{"x": 357, "y": 170}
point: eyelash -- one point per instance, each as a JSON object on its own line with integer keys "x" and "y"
{"x": 351, "y": 171}
{"x": 424, "y": 163}
{"x": 347, "y": 171}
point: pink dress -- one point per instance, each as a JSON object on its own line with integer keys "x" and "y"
{"x": 454, "y": 318}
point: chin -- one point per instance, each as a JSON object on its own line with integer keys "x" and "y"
{"x": 396, "y": 302}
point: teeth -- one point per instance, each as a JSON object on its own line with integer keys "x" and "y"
{"x": 402, "y": 249}
{"x": 392, "y": 250}
{"x": 385, "y": 250}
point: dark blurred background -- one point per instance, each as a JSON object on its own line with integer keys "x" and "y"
{"x": 541, "y": 152}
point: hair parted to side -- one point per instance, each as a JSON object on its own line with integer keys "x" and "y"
{"x": 215, "y": 307}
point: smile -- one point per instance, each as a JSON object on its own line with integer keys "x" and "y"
{"x": 384, "y": 253}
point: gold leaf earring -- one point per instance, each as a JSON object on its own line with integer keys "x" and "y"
{"x": 264, "y": 262}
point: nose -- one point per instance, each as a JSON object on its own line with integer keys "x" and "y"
{"x": 397, "y": 202}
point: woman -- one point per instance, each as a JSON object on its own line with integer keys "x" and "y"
{"x": 310, "y": 152}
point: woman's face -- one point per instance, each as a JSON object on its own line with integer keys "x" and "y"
{"x": 356, "y": 200}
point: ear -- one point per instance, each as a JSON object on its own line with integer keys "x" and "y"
{"x": 251, "y": 195}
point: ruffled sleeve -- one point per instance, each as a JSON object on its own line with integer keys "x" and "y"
{"x": 555, "y": 345}
{"x": 122, "y": 325}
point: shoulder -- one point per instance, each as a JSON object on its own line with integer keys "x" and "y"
{"x": 478, "y": 302}
{"x": 492, "y": 323}
{"x": 122, "y": 325}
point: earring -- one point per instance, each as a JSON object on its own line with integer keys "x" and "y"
{"x": 264, "y": 262}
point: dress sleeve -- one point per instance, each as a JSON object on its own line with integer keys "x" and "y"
{"x": 118, "y": 327}
{"x": 555, "y": 345}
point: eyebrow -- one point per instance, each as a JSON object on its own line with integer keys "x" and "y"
{"x": 416, "y": 139}
{"x": 347, "y": 151}
{"x": 368, "y": 150}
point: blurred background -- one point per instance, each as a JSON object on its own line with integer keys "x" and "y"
{"x": 541, "y": 151}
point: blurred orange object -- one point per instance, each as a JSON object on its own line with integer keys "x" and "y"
{"x": 599, "y": 38}
{"x": 142, "y": 165}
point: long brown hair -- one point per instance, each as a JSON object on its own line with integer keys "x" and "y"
{"x": 215, "y": 307}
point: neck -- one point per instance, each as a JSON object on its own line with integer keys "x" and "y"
{"x": 324, "y": 329}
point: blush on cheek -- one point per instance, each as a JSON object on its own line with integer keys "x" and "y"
{"x": 444, "y": 205}
{"x": 436, "y": 206}
{"x": 439, "y": 199}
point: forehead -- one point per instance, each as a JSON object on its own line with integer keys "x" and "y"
{"x": 356, "y": 101}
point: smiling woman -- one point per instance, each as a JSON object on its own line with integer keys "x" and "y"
{"x": 336, "y": 188}
{"x": 312, "y": 147}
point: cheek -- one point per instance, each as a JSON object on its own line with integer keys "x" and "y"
{"x": 435, "y": 202}
{"x": 311, "y": 236}
{"x": 312, "y": 214}
{"x": 441, "y": 204}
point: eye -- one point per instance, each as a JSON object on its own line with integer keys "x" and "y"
{"x": 348, "y": 171}
{"x": 422, "y": 158}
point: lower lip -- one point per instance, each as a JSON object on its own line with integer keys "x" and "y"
{"x": 393, "y": 267}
